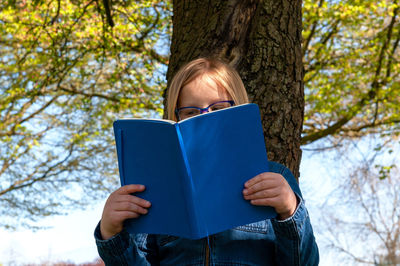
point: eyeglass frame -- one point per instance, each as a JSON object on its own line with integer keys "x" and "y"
{"x": 202, "y": 110}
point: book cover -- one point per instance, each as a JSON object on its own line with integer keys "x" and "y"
{"x": 194, "y": 170}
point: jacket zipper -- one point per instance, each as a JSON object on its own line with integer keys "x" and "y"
{"x": 207, "y": 262}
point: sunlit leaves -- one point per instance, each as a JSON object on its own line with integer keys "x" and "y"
{"x": 65, "y": 76}
{"x": 351, "y": 60}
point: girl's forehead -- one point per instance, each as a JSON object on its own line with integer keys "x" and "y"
{"x": 209, "y": 80}
{"x": 203, "y": 84}
{"x": 203, "y": 90}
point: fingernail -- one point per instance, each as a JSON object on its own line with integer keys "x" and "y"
{"x": 245, "y": 191}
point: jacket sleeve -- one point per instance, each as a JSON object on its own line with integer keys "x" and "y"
{"x": 125, "y": 249}
{"x": 295, "y": 241}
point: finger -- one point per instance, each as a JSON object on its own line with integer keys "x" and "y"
{"x": 262, "y": 185}
{"x": 254, "y": 180}
{"x": 128, "y": 206}
{"x": 260, "y": 178}
{"x": 133, "y": 199}
{"x": 264, "y": 202}
{"x": 129, "y": 189}
{"x": 127, "y": 215}
{"x": 266, "y": 193}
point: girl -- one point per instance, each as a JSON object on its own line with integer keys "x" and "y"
{"x": 205, "y": 85}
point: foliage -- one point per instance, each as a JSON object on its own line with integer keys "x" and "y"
{"x": 69, "y": 68}
{"x": 352, "y": 70}
{"x": 352, "y": 93}
{"x": 65, "y": 75}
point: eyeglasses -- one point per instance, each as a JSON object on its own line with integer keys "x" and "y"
{"x": 189, "y": 111}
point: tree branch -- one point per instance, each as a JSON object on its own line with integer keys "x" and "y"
{"x": 74, "y": 91}
{"x": 370, "y": 95}
{"x": 19, "y": 184}
{"x": 107, "y": 7}
{"x": 312, "y": 32}
{"x": 53, "y": 20}
{"x": 324, "y": 40}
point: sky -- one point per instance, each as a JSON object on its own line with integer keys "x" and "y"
{"x": 69, "y": 239}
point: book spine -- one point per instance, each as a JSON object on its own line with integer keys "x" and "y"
{"x": 120, "y": 146}
{"x": 190, "y": 190}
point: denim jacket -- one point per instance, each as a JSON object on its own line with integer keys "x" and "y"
{"x": 267, "y": 242}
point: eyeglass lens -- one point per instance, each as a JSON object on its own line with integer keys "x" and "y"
{"x": 193, "y": 111}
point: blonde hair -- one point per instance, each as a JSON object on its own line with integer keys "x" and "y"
{"x": 221, "y": 73}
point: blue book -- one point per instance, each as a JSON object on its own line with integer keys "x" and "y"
{"x": 194, "y": 170}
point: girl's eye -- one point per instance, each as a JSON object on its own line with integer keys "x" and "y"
{"x": 220, "y": 106}
{"x": 189, "y": 112}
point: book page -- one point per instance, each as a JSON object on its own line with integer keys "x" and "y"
{"x": 149, "y": 154}
{"x": 225, "y": 149}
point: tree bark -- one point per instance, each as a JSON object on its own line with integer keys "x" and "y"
{"x": 262, "y": 40}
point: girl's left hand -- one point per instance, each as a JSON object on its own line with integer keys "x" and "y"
{"x": 271, "y": 189}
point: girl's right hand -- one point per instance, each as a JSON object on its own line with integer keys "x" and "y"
{"x": 121, "y": 205}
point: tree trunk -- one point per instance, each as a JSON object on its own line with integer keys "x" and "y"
{"x": 262, "y": 40}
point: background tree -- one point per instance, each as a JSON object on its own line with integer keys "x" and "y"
{"x": 361, "y": 220}
{"x": 65, "y": 75}
{"x": 351, "y": 63}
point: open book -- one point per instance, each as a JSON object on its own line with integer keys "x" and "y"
{"x": 194, "y": 170}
